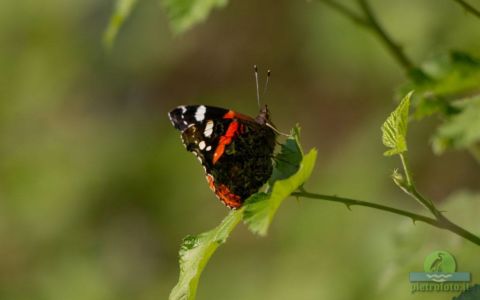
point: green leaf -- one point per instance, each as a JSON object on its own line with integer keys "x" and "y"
{"x": 394, "y": 130}
{"x": 473, "y": 293}
{"x": 462, "y": 130}
{"x": 291, "y": 171}
{"x": 289, "y": 158}
{"x": 123, "y": 8}
{"x": 195, "y": 252}
{"x": 183, "y": 14}
{"x": 450, "y": 77}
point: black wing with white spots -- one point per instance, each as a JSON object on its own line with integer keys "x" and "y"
{"x": 234, "y": 149}
{"x": 201, "y": 127}
{"x": 187, "y": 115}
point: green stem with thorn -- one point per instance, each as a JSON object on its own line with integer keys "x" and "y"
{"x": 369, "y": 21}
{"x": 439, "y": 222}
{"x": 469, "y": 8}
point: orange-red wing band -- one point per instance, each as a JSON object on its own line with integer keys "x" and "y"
{"x": 233, "y": 115}
{"x": 211, "y": 182}
{"x": 227, "y": 197}
{"x": 229, "y": 115}
{"x": 225, "y": 140}
{"x": 224, "y": 194}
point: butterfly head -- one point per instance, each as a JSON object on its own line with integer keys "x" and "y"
{"x": 263, "y": 117}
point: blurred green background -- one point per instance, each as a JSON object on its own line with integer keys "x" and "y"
{"x": 97, "y": 191}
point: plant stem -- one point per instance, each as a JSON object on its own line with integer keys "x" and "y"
{"x": 369, "y": 21}
{"x": 440, "y": 222}
{"x": 411, "y": 189}
{"x": 469, "y": 7}
{"x": 395, "y": 49}
{"x": 408, "y": 175}
{"x": 351, "y": 202}
{"x": 343, "y": 10}
{"x": 452, "y": 227}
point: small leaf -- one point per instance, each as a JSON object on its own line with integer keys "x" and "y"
{"x": 289, "y": 158}
{"x": 195, "y": 252}
{"x": 473, "y": 293}
{"x": 123, "y": 8}
{"x": 291, "y": 172}
{"x": 460, "y": 131}
{"x": 398, "y": 178}
{"x": 451, "y": 76}
{"x": 394, "y": 130}
{"x": 183, "y": 14}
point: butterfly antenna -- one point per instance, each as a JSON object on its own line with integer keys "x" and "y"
{"x": 266, "y": 83}
{"x": 277, "y": 131}
{"x": 255, "y": 69}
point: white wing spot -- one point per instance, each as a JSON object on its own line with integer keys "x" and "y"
{"x": 184, "y": 109}
{"x": 183, "y": 141}
{"x": 171, "y": 119}
{"x": 208, "y": 129}
{"x": 209, "y": 148}
{"x": 202, "y": 145}
{"x": 200, "y": 113}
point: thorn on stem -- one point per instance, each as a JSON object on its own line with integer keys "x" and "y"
{"x": 302, "y": 189}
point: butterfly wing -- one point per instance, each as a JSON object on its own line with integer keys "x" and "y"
{"x": 187, "y": 115}
{"x": 234, "y": 149}
{"x": 202, "y": 128}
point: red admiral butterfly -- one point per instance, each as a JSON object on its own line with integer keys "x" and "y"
{"x": 235, "y": 150}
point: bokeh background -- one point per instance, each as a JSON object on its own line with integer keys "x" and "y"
{"x": 97, "y": 191}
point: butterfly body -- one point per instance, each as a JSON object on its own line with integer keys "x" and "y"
{"x": 235, "y": 150}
